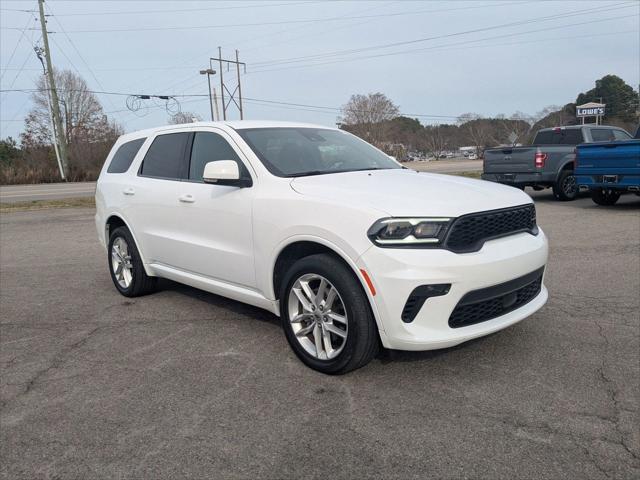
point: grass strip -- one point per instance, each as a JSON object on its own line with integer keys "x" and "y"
{"x": 46, "y": 204}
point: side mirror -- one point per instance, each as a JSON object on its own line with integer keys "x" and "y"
{"x": 224, "y": 172}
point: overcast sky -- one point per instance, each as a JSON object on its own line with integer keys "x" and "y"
{"x": 438, "y": 59}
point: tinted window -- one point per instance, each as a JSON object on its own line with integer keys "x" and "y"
{"x": 565, "y": 136}
{"x": 296, "y": 152}
{"x": 210, "y": 147}
{"x": 602, "y": 134}
{"x": 124, "y": 156}
{"x": 165, "y": 156}
{"x": 621, "y": 135}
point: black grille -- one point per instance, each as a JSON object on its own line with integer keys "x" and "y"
{"x": 469, "y": 232}
{"x": 482, "y": 305}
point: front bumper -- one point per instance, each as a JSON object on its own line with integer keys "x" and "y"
{"x": 395, "y": 273}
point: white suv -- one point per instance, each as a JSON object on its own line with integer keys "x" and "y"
{"x": 348, "y": 247}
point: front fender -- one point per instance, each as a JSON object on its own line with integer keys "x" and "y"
{"x": 352, "y": 262}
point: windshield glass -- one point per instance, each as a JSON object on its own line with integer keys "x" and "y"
{"x": 297, "y": 152}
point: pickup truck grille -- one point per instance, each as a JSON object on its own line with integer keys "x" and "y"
{"x": 469, "y": 232}
{"x": 492, "y": 302}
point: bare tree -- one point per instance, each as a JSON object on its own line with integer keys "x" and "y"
{"x": 83, "y": 119}
{"x": 89, "y": 133}
{"x": 474, "y": 128}
{"x": 434, "y": 141}
{"x": 368, "y": 115}
{"x": 521, "y": 125}
{"x": 184, "y": 117}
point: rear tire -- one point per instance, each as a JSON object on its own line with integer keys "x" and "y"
{"x": 125, "y": 265}
{"x": 605, "y": 197}
{"x": 566, "y": 188}
{"x": 333, "y": 330}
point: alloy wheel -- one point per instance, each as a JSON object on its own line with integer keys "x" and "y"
{"x": 121, "y": 262}
{"x": 569, "y": 185}
{"x": 318, "y": 317}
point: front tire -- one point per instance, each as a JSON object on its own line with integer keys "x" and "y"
{"x": 326, "y": 315}
{"x": 605, "y": 197}
{"x": 125, "y": 265}
{"x": 566, "y": 187}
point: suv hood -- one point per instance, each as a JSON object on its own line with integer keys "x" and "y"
{"x": 404, "y": 193}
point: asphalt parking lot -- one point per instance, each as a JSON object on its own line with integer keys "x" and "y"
{"x": 188, "y": 384}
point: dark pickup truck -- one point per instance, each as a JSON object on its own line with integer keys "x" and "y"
{"x": 549, "y": 161}
{"x": 609, "y": 169}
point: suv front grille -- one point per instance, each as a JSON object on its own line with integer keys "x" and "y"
{"x": 492, "y": 302}
{"x": 469, "y": 232}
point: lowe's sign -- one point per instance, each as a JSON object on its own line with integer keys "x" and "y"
{"x": 590, "y": 111}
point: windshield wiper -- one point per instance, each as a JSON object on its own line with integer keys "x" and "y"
{"x": 327, "y": 172}
{"x": 308, "y": 174}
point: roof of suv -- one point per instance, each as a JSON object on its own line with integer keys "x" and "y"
{"x": 236, "y": 125}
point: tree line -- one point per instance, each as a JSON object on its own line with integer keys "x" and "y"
{"x": 373, "y": 117}
{"x": 377, "y": 119}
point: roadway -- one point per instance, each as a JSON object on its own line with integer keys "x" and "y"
{"x": 46, "y": 191}
{"x": 57, "y": 191}
{"x": 186, "y": 384}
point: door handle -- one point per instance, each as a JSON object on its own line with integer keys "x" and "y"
{"x": 187, "y": 198}
{"x": 129, "y": 191}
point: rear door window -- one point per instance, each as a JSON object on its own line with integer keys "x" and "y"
{"x": 166, "y": 156}
{"x": 125, "y": 154}
{"x": 211, "y": 147}
{"x": 602, "y": 134}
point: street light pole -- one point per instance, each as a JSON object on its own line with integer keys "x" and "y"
{"x": 208, "y": 72}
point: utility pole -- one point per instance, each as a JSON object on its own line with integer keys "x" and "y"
{"x": 39, "y": 53}
{"x": 235, "y": 96}
{"x": 57, "y": 122}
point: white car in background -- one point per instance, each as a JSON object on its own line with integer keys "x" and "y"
{"x": 349, "y": 248}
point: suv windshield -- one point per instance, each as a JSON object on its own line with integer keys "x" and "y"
{"x": 297, "y": 152}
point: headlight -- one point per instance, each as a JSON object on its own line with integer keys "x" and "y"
{"x": 408, "y": 231}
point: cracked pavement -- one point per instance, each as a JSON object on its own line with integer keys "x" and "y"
{"x": 185, "y": 384}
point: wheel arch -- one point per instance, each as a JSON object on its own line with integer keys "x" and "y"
{"x": 296, "y": 248}
{"x": 567, "y": 165}
{"x": 115, "y": 220}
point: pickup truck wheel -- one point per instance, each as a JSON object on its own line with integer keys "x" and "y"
{"x": 605, "y": 197}
{"x": 326, "y": 315}
{"x": 566, "y": 187}
{"x": 125, "y": 265}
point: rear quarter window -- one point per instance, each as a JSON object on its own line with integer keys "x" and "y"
{"x": 621, "y": 135}
{"x": 124, "y": 156}
{"x": 602, "y": 135}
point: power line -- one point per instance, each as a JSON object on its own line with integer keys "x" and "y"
{"x": 436, "y": 47}
{"x": 448, "y": 35}
{"x": 382, "y": 16}
{"x": 552, "y": 17}
{"x": 22, "y": 35}
{"x": 203, "y": 96}
{"x": 147, "y": 12}
{"x": 29, "y": 53}
{"x": 77, "y": 52}
{"x": 308, "y": 20}
{"x": 288, "y": 30}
